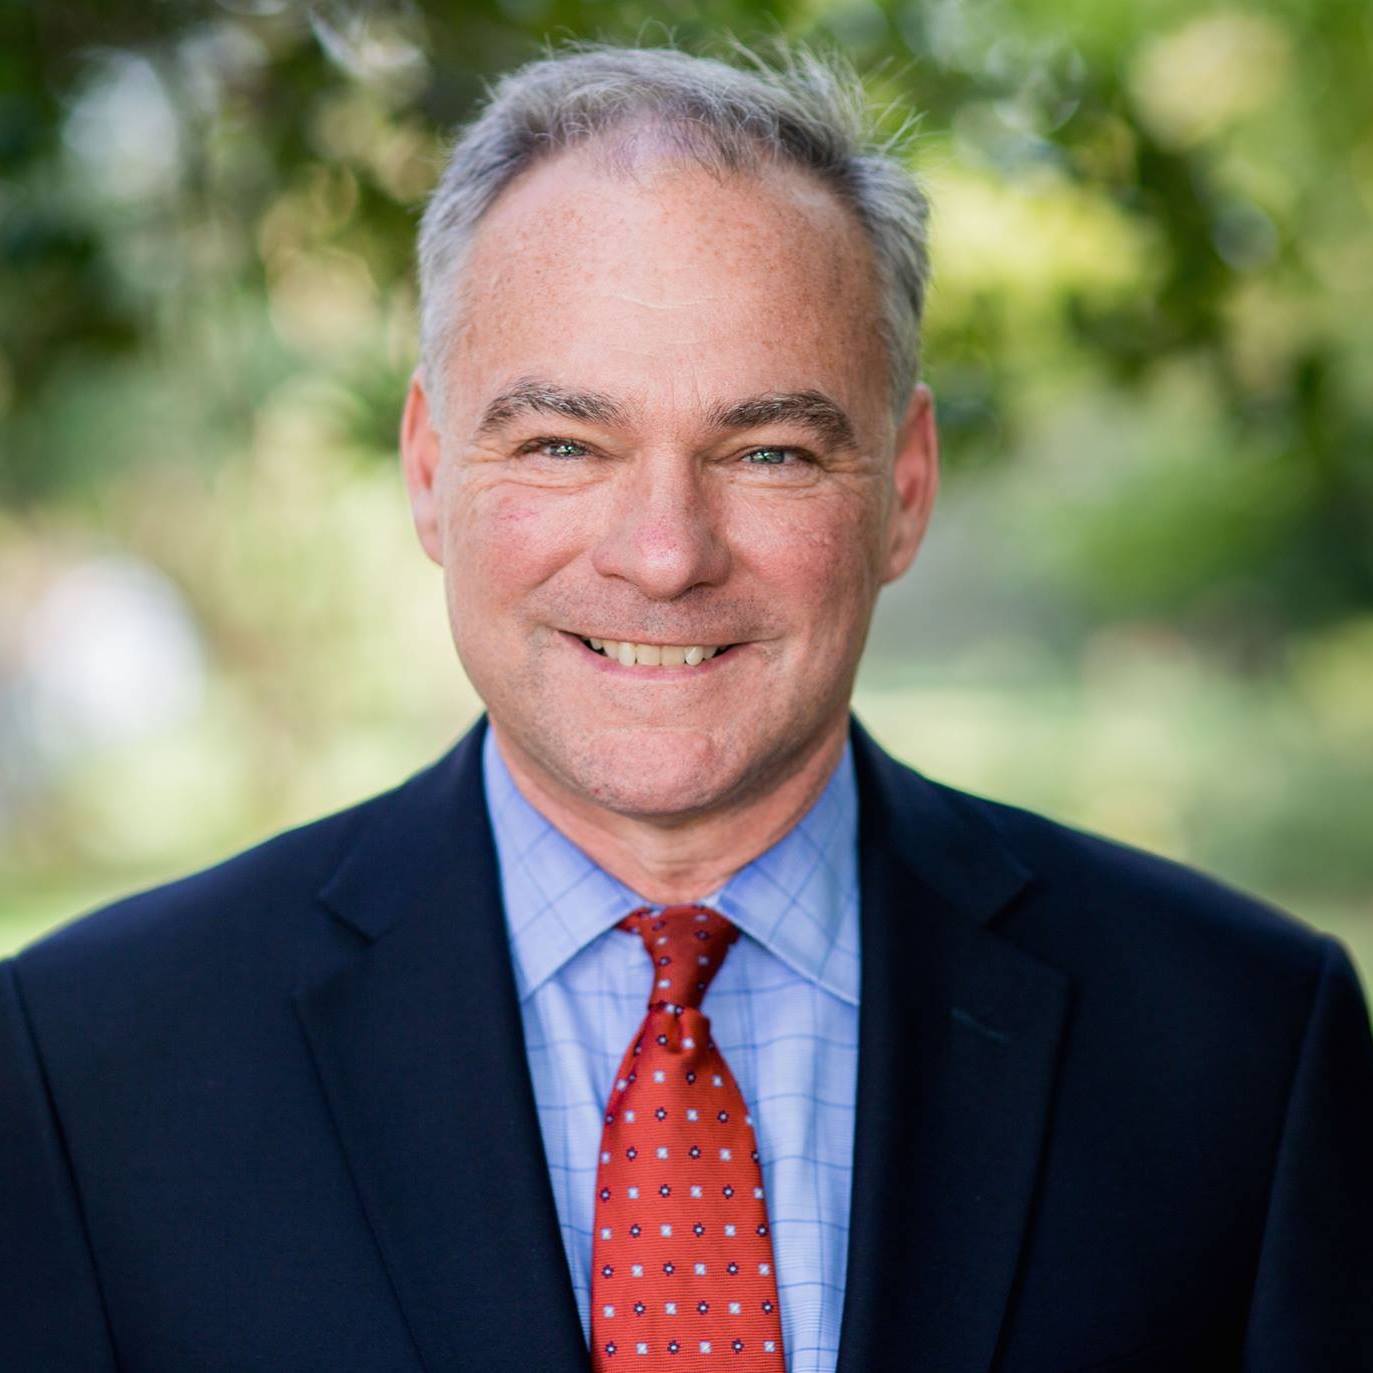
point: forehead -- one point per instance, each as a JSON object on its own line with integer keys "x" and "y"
{"x": 670, "y": 280}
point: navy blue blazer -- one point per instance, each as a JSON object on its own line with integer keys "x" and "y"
{"x": 1111, "y": 1114}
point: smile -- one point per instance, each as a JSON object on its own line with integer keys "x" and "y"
{"x": 629, "y": 654}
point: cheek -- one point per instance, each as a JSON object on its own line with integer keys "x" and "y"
{"x": 502, "y": 541}
{"x": 816, "y": 553}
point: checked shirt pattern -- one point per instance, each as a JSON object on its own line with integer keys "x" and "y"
{"x": 682, "y": 1265}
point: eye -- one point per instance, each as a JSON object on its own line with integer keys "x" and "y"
{"x": 555, "y": 448}
{"x": 770, "y": 457}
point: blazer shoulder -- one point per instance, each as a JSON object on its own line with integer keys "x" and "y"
{"x": 1088, "y": 887}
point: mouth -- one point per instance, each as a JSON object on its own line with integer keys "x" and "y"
{"x": 630, "y": 654}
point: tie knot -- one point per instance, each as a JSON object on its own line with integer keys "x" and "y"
{"x": 687, "y": 945}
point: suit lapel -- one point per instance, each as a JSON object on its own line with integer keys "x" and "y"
{"x": 958, "y": 1042}
{"x": 415, "y": 1028}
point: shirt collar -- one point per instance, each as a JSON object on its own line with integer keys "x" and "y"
{"x": 799, "y": 898}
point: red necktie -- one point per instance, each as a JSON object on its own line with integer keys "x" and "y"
{"x": 682, "y": 1271}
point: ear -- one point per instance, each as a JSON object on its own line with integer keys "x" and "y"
{"x": 420, "y": 451}
{"x": 915, "y": 473}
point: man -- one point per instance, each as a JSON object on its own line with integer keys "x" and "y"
{"x": 666, "y": 1022}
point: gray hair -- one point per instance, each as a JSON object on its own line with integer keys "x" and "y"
{"x": 805, "y": 110}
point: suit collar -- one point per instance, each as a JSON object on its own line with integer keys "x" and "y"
{"x": 405, "y": 841}
{"x": 940, "y": 839}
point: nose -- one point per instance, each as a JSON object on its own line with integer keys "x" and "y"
{"x": 664, "y": 534}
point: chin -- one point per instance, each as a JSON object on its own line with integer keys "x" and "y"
{"x": 652, "y": 772}
{"x": 643, "y": 770}
{"x": 653, "y": 800}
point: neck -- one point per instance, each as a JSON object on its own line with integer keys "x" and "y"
{"x": 682, "y": 861}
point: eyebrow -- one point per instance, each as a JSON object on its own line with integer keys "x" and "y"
{"x": 529, "y": 396}
{"x": 811, "y": 410}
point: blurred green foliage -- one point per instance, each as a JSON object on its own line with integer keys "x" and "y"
{"x": 1151, "y": 338}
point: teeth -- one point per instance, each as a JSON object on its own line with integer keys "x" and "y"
{"x": 653, "y": 655}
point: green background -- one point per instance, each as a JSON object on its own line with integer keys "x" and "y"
{"x": 1146, "y": 602}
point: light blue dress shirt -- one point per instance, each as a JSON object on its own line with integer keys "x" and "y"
{"x": 783, "y": 1009}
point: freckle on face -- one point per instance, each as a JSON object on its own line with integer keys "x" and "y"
{"x": 670, "y": 293}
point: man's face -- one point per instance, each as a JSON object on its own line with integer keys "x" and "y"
{"x": 667, "y": 426}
